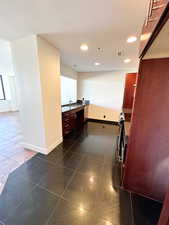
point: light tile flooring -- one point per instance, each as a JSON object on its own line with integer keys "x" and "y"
{"x": 12, "y": 154}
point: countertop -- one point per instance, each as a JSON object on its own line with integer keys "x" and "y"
{"x": 127, "y": 128}
{"x": 68, "y": 108}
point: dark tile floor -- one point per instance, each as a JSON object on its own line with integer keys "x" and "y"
{"x": 76, "y": 184}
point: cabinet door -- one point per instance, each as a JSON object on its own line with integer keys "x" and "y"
{"x": 164, "y": 218}
{"x": 73, "y": 120}
{"x": 130, "y": 85}
{"x": 147, "y": 162}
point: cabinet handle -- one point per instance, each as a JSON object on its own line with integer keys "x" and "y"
{"x": 66, "y": 120}
{"x": 66, "y": 125}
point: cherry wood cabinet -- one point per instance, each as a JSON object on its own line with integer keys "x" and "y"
{"x": 147, "y": 162}
{"x": 72, "y": 120}
{"x": 164, "y": 218}
{"x": 154, "y": 12}
{"x": 129, "y": 91}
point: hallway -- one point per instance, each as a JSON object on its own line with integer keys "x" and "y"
{"x": 76, "y": 184}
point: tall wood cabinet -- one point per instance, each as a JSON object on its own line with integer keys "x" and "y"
{"x": 148, "y": 147}
{"x": 146, "y": 170}
{"x": 129, "y": 92}
{"x": 164, "y": 218}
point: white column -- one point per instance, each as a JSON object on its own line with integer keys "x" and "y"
{"x": 14, "y": 101}
{"x": 37, "y": 67}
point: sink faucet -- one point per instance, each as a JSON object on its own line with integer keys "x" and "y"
{"x": 70, "y": 102}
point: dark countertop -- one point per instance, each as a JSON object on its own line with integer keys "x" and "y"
{"x": 68, "y": 108}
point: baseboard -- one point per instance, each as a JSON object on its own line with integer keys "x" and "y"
{"x": 54, "y": 145}
{"x": 44, "y": 151}
{"x": 34, "y": 148}
{"x": 103, "y": 121}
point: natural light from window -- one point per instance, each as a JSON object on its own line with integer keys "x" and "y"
{"x": 68, "y": 90}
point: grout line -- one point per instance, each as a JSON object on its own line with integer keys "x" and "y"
{"x": 61, "y": 197}
{"x": 73, "y": 175}
{"x": 19, "y": 205}
{"x": 50, "y": 192}
{"x": 52, "y": 212}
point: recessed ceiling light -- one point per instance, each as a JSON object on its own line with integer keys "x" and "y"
{"x": 84, "y": 47}
{"x": 97, "y": 64}
{"x": 127, "y": 60}
{"x": 131, "y": 39}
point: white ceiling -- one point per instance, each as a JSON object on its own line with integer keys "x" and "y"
{"x": 68, "y": 23}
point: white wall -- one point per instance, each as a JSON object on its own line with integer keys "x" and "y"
{"x": 24, "y": 52}
{"x": 68, "y": 71}
{"x": 37, "y": 66}
{"x": 49, "y": 64}
{"x": 9, "y": 79}
{"x": 105, "y": 92}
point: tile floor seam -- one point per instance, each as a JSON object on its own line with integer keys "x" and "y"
{"x": 68, "y": 183}
{"x": 51, "y": 192}
{"x": 47, "y": 161}
{"x": 18, "y": 206}
{"x": 52, "y": 213}
{"x": 61, "y": 197}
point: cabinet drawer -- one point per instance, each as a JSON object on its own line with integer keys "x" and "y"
{"x": 66, "y": 115}
{"x": 66, "y": 125}
{"x": 66, "y": 131}
{"x": 66, "y": 120}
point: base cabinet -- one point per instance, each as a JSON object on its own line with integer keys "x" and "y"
{"x": 72, "y": 120}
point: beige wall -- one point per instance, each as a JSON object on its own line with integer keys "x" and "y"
{"x": 49, "y": 64}
{"x": 105, "y": 92}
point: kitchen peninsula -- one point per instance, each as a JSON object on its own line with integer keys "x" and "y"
{"x": 73, "y": 117}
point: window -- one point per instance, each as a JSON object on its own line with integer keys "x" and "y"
{"x": 2, "y": 92}
{"x": 68, "y": 90}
